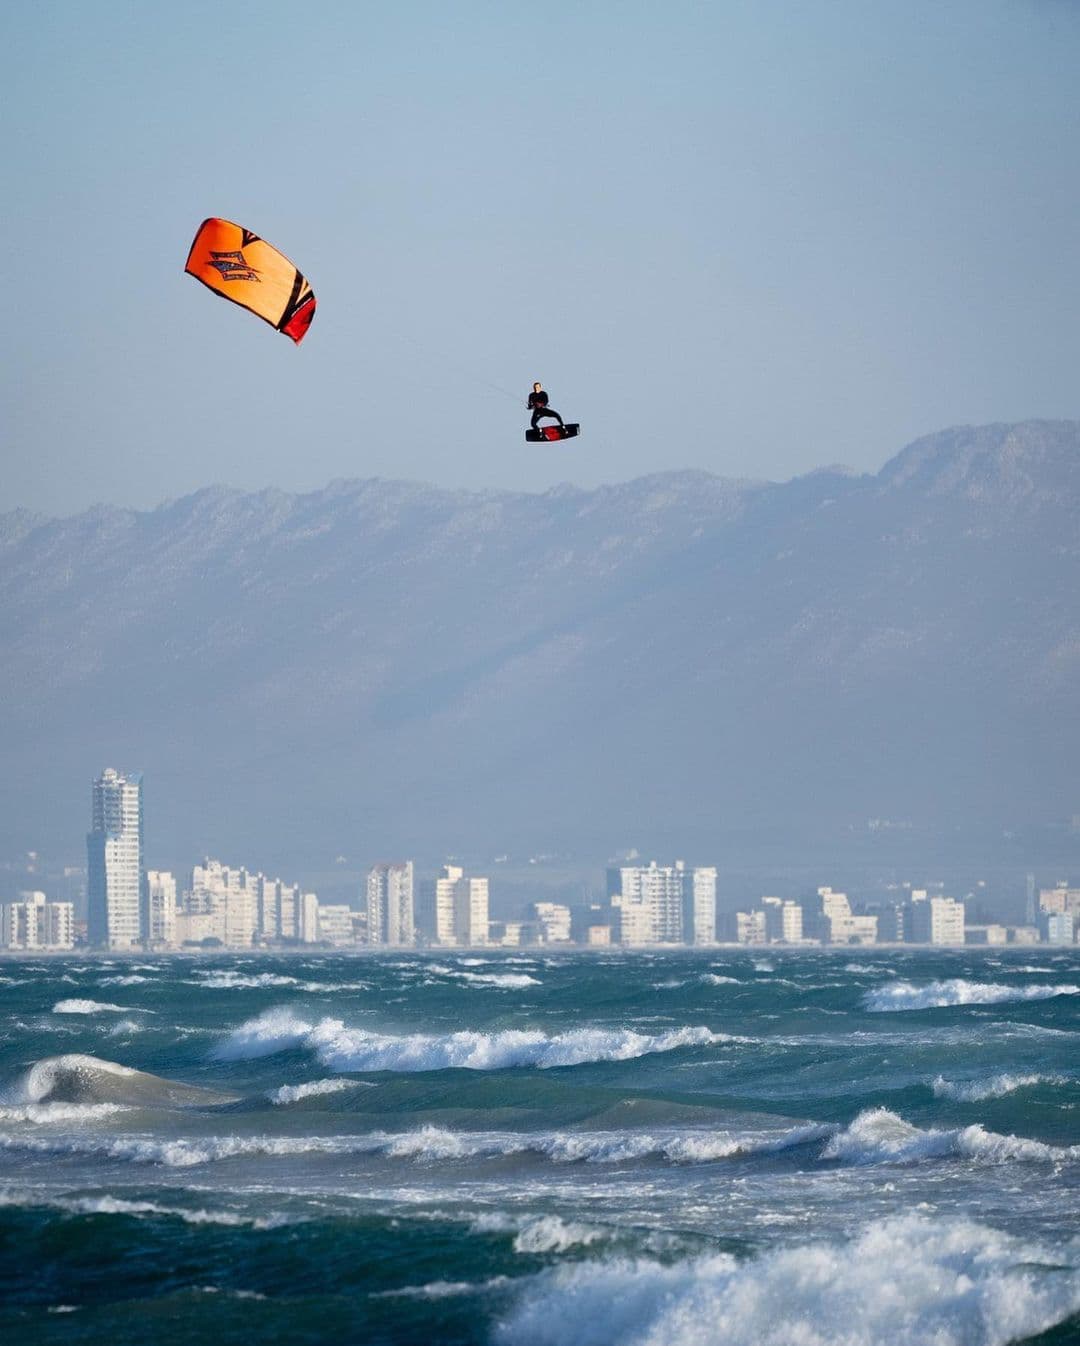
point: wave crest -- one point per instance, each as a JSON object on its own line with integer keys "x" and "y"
{"x": 88, "y": 1080}
{"x": 878, "y": 1136}
{"x": 905, "y": 1281}
{"x": 78, "y": 1006}
{"x": 904, "y": 995}
{"x": 354, "y": 1049}
{"x": 976, "y": 1091}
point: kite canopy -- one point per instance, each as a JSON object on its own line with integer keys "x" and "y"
{"x": 239, "y": 265}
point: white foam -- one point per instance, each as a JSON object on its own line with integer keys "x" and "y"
{"x": 906, "y": 1281}
{"x": 507, "y": 981}
{"x": 275, "y": 1030}
{"x": 357, "y": 1050}
{"x": 133, "y": 979}
{"x": 703, "y": 978}
{"x": 538, "y": 1233}
{"x": 431, "y": 1144}
{"x": 997, "y": 1086}
{"x": 243, "y": 981}
{"x": 124, "y": 1028}
{"x": 878, "y": 1136}
{"x": 229, "y": 981}
{"x": 551, "y": 1234}
{"x": 184, "y": 1152}
{"x": 51, "y": 1114}
{"x": 88, "y": 1007}
{"x": 294, "y": 1093}
{"x": 443, "y": 1289}
{"x": 903, "y": 995}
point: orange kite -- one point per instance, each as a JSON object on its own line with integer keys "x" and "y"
{"x": 239, "y": 265}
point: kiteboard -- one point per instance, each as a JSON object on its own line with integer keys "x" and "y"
{"x": 543, "y": 432}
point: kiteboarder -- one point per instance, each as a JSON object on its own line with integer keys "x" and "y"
{"x": 538, "y": 405}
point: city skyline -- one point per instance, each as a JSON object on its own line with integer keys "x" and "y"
{"x": 131, "y": 907}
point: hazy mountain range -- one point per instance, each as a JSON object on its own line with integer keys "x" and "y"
{"x": 382, "y": 667}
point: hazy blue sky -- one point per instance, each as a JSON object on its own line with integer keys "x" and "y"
{"x": 750, "y": 237}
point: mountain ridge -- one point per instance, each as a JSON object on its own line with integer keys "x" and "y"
{"x": 389, "y": 664}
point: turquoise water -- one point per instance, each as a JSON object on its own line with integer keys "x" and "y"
{"x": 669, "y": 1148}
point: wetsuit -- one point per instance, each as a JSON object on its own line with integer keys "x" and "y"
{"x": 538, "y": 405}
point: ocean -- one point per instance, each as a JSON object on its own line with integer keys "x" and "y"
{"x": 740, "y": 1147}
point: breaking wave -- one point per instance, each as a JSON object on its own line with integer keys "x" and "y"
{"x": 975, "y": 1091}
{"x": 253, "y": 981}
{"x": 903, "y": 995}
{"x": 354, "y": 1049}
{"x": 878, "y": 1136}
{"x": 296, "y": 1093}
{"x": 82, "y": 1080}
{"x": 89, "y": 1007}
{"x": 507, "y": 981}
{"x": 906, "y": 1281}
{"x": 431, "y": 1144}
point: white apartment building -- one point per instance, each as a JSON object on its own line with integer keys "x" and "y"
{"x": 159, "y": 918}
{"x": 34, "y": 923}
{"x": 1058, "y": 927}
{"x": 553, "y": 922}
{"x": 650, "y": 899}
{"x": 699, "y": 906}
{"x": 742, "y": 927}
{"x": 1060, "y": 899}
{"x": 390, "y": 906}
{"x": 278, "y": 908}
{"x": 230, "y": 898}
{"x": 783, "y": 921}
{"x": 334, "y": 925}
{"x": 461, "y": 909}
{"x": 935, "y": 920}
{"x": 239, "y": 908}
{"x": 828, "y": 917}
{"x": 114, "y": 852}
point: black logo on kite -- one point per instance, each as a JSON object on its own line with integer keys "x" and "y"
{"x": 233, "y": 266}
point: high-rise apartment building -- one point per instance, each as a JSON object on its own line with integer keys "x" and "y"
{"x": 461, "y": 908}
{"x": 935, "y": 920}
{"x": 390, "y": 916}
{"x": 650, "y": 899}
{"x": 114, "y": 852}
{"x": 159, "y": 918}
{"x": 699, "y": 906}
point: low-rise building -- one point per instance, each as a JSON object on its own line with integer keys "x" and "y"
{"x": 334, "y": 925}
{"x": 33, "y": 922}
{"x": 986, "y": 934}
{"x": 1058, "y": 927}
{"x": 552, "y": 920}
